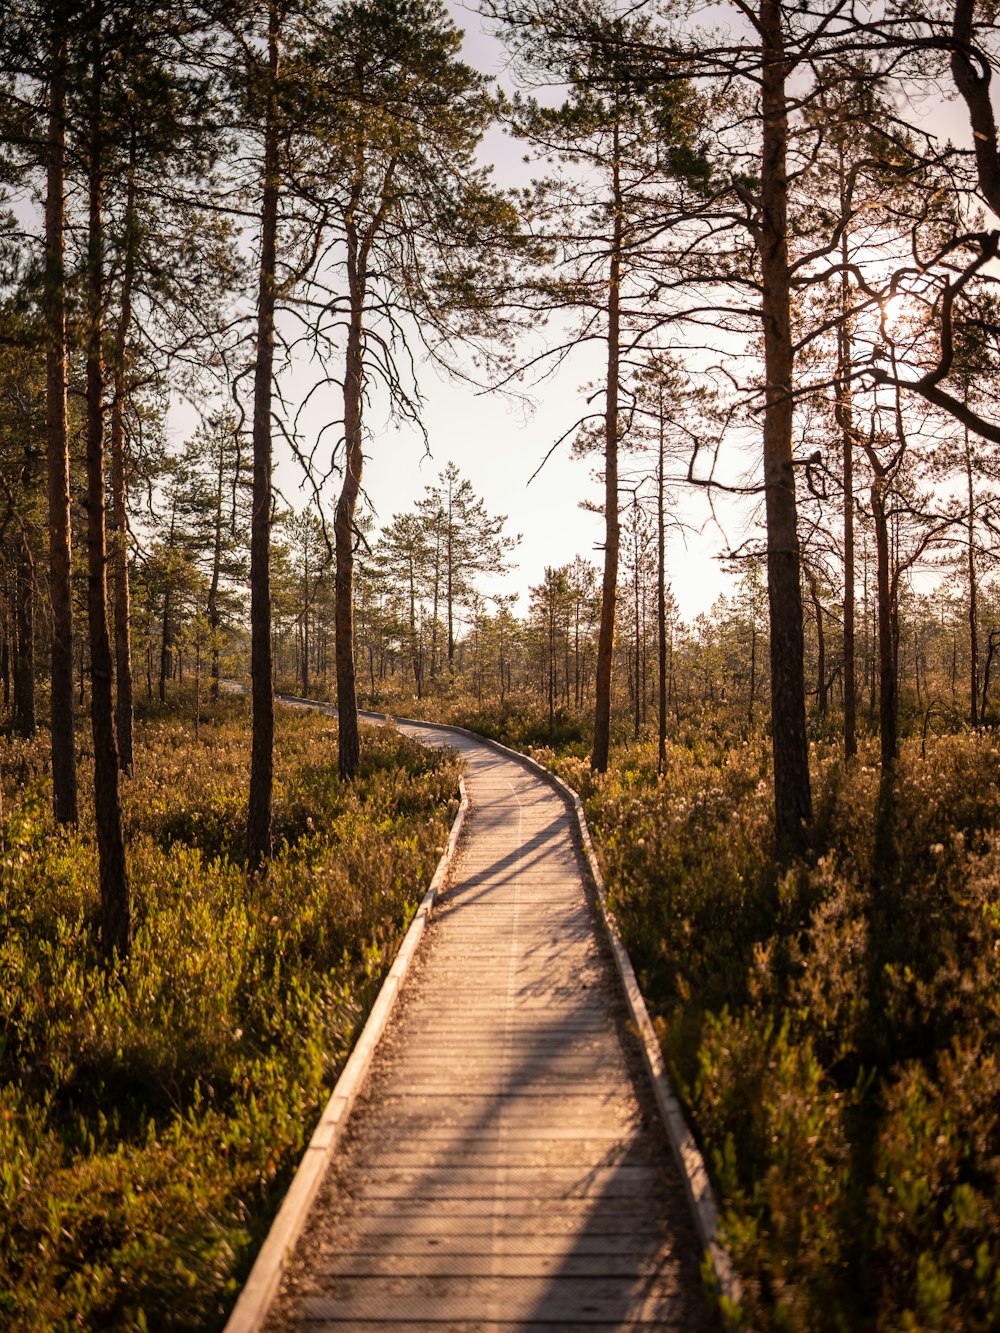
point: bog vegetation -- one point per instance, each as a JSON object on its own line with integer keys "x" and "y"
{"x": 766, "y": 236}
{"x": 151, "y": 1115}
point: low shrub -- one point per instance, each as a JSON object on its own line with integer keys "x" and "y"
{"x": 151, "y": 1117}
{"x": 831, "y": 1028}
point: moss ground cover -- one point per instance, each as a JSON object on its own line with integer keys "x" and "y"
{"x": 149, "y": 1119}
{"x": 834, "y": 1029}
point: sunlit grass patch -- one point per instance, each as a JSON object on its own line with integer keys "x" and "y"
{"x": 832, "y": 1027}
{"x": 150, "y": 1118}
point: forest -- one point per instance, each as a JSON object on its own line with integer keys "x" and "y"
{"x": 237, "y": 239}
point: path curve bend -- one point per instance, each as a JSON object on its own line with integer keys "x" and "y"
{"x": 505, "y": 1166}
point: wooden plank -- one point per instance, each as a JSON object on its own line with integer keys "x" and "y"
{"x": 502, "y": 1173}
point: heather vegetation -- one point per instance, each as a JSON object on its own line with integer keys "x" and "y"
{"x": 152, "y": 1113}
{"x": 831, "y": 1027}
{"x": 757, "y": 241}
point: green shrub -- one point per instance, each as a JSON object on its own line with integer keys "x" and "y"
{"x": 832, "y": 1029}
{"x": 150, "y": 1118}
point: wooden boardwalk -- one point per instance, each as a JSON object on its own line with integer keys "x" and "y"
{"x": 504, "y": 1168}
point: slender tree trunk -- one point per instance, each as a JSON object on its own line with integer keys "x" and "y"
{"x": 165, "y": 642}
{"x": 612, "y": 528}
{"x": 212, "y": 602}
{"x": 436, "y": 606}
{"x": 820, "y": 648}
{"x": 166, "y": 628}
{"x": 845, "y": 418}
{"x": 792, "y": 794}
{"x": 261, "y": 662}
{"x": 347, "y": 698}
{"x": 305, "y": 619}
{"x": 992, "y": 643}
{"x": 197, "y": 680}
{"x": 121, "y": 597}
{"x": 450, "y": 582}
{"x": 24, "y": 658}
{"x": 116, "y": 928}
{"x": 888, "y": 693}
{"x": 973, "y": 592}
{"x": 552, "y": 662}
{"x": 64, "y": 784}
{"x": 636, "y": 642}
{"x": 414, "y": 637}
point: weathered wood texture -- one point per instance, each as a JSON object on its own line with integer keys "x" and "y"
{"x": 505, "y": 1167}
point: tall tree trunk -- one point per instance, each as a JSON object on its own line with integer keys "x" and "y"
{"x": 261, "y": 666}
{"x": 450, "y": 581}
{"x": 888, "y": 693}
{"x": 121, "y": 597}
{"x": 166, "y": 627}
{"x": 612, "y": 527}
{"x": 552, "y": 661}
{"x": 792, "y": 795}
{"x": 414, "y": 637}
{"x": 212, "y": 603}
{"x": 116, "y": 927}
{"x": 436, "y": 600}
{"x": 24, "y": 657}
{"x": 305, "y": 621}
{"x": 973, "y": 591}
{"x": 349, "y": 754}
{"x": 64, "y": 784}
{"x": 845, "y": 419}
{"x": 636, "y": 640}
{"x": 820, "y": 646}
{"x": 165, "y": 641}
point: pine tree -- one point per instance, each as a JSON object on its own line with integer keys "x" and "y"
{"x": 417, "y": 233}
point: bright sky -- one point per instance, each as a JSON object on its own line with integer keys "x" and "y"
{"x": 498, "y": 446}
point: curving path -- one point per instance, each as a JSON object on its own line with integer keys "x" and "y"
{"x": 505, "y": 1167}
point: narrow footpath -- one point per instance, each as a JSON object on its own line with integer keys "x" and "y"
{"x": 505, "y": 1167}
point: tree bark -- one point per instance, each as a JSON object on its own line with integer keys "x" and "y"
{"x": 792, "y": 794}
{"x": 349, "y": 752}
{"x": 820, "y": 646}
{"x": 414, "y": 637}
{"x": 212, "y": 601}
{"x": 612, "y": 527}
{"x": 637, "y": 635}
{"x": 121, "y": 597}
{"x": 450, "y": 579}
{"x": 973, "y": 592}
{"x": 261, "y": 665}
{"x": 305, "y": 619}
{"x": 116, "y": 926}
{"x": 845, "y": 419}
{"x": 888, "y": 693}
{"x": 64, "y": 783}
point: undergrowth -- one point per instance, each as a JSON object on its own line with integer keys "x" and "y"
{"x": 150, "y": 1118}
{"x": 833, "y": 1029}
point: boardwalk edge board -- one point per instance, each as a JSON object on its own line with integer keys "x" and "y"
{"x": 686, "y": 1152}
{"x": 255, "y": 1299}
